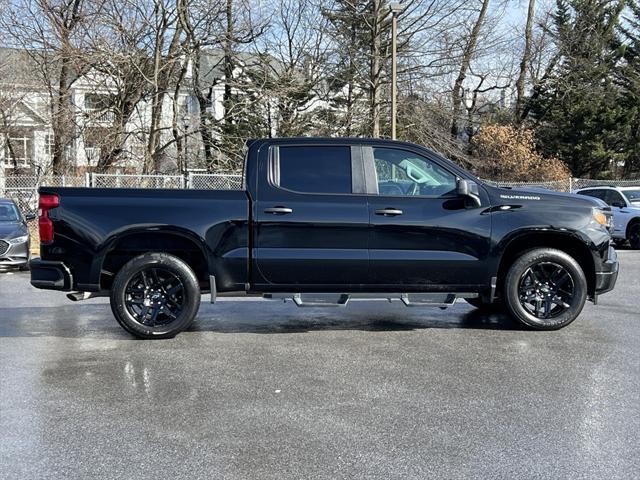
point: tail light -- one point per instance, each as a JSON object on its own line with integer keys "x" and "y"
{"x": 45, "y": 225}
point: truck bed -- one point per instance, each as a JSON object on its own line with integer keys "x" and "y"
{"x": 91, "y": 224}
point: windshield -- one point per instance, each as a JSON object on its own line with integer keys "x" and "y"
{"x": 632, "y": 195}
{"x": 9, "y": 213}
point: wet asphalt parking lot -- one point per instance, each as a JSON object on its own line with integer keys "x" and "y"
{"x": 264, "y": 390}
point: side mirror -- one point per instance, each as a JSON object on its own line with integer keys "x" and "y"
{"x": 469, "y": 189}
{"x": 30, "y": 216}
{"x": 618, "y": 204}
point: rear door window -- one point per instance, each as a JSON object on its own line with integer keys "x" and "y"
{"x": 314, "y": 169}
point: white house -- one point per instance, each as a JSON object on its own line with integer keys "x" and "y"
{"x": 26, "y": 137}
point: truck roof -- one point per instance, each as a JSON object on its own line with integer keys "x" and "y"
{"x": 382, "y": 142}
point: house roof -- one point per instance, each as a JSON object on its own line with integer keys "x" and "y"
{"x": 19, "y": 67}
{"x": 22, "y": 67}
{"x": 212, "y": 64}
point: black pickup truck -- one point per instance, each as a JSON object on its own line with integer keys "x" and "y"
{"x": 321, "y": 221}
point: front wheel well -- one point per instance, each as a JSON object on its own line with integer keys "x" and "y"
{"x": 565, "y": 243}
{"x": 137, "y": 244}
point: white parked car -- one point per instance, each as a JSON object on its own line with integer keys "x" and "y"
{"x": 625, "y": 204}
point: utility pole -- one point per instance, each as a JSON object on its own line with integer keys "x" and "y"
{"x": 395, "y": 9}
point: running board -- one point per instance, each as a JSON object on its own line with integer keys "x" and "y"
{"x": 441, "y": 300}
{"x": 80, "y": 296}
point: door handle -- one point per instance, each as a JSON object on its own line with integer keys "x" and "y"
{"x": 278, "y": 210}
{"x": 389, "y": 212}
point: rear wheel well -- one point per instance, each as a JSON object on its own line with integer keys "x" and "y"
{"x": 137, "y": 244}
{"x": 571, "y": 246}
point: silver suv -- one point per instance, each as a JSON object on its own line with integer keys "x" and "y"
{"x": 625, "y": 204}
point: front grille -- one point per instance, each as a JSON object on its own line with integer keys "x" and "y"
{"x": 4, "y": 246}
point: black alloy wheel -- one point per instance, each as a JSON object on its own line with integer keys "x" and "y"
{"x": 155, "y": 295}
{"x": 545, "y": 289}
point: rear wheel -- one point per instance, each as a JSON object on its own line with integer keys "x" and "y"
{"x": 545, "y": 289}
{"x": 155, "y": 295}
{"x": 634, "y": 236}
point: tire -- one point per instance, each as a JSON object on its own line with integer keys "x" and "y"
{"x": 155, "y": 295}
{"x": 484, "y": 306}
{"x": 545, "y": 289}
{"x": 619, "y": 242}
{"x": 634, "y": 236}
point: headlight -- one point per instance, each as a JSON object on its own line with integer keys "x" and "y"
{"x": 601, "y": 218}
{"x": 21, "y": 239}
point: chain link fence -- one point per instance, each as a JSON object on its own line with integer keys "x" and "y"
{"x": 555, "y": 185}
{"x": 24, "y": 189}
{"x": 566, "y": 185}
{"x": 107, "y": 180}
{"x": 215, "y": 181}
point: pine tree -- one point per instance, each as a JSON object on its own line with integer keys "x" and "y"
{"x": 361, "y": 30}
{"x": 579, "y": 117}
{"x": 627, "y": 43}
{"x": 346, "y": 84}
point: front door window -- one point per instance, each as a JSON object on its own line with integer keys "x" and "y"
{"x": 403, "y": 173}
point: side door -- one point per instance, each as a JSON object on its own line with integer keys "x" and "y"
{"x": 311, "y": 219}
{"x": 423, "y": 235}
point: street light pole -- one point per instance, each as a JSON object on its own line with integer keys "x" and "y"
{"x": 395, "y": 8}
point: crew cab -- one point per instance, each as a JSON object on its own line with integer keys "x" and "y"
{"x": 321, "y": 221}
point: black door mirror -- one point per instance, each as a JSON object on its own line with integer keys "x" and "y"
{"x": 30, "y": 216}
{"x": 618, "y": 204}
{"x": 469, "y": 189}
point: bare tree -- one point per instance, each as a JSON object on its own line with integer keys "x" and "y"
{"x": 526, "y": 57}
{"x": 467, "y": 55}
{"x": 53, "y": 34}
{"x": 290, "y": 79}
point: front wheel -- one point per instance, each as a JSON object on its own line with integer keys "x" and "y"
{"x": 155, "y": 295}
{"x": 545, "y": 289}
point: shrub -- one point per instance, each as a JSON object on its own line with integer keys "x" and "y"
{"x": 506, "y": 153}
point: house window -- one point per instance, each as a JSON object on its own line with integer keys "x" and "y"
{"x": 18, "y": 150}
{"x": 99, "y": 107}
{"x": 95, "y": 101}
{"x": 48, "y": 145}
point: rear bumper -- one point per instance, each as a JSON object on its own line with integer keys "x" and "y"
{"x": 50, "y": 275}
{"x": 607, "y": 275}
